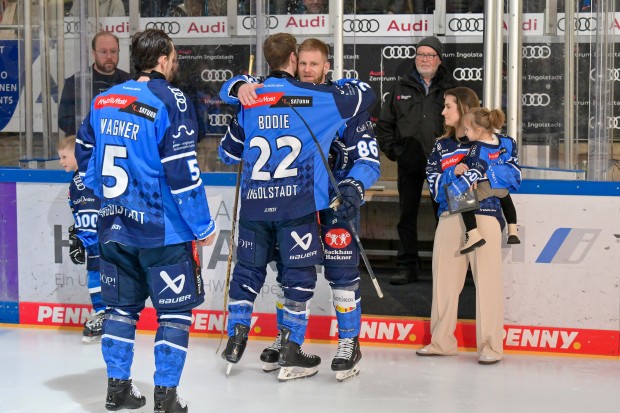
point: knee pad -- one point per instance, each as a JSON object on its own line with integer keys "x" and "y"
{"x": 298, "y": 283}
{"x": 346, "y": 298}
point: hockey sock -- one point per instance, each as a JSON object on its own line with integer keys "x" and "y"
{"x": 94, "y": 289}
{"x": 117, "y": 342}
{"x": 295, "y": 318}
{"x": 279, "y": 307}
{"x": 239, "y": 312}
{"x": 347, "y": 303}
{"x": 171, "y": 341}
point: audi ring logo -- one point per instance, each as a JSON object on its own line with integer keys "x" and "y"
{"x": 346, "y": 73}
{"x": 72, "y": 27}
{"x": 398, "y": 52}
{"x": 613, "y": 74}
{"x": 216, "y": 75}
{"x": 167, "y": 27}
{"x": 249, "y": 22}
{"x": 219, "y": 119}
{"x": 535, "y": 99}
{"x": 613, "y": 122}
{"x": 582, "y": 24}
{"x": 466, "y": 24}
{"x": 360, "y": 25}
{"x": 467, "y": 74}
{"x": 536, "y": 52}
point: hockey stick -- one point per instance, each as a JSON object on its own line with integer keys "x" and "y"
{"x": 338, "y": 201}
{"x": 232, "y": 239}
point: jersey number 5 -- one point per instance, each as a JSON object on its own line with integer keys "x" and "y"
{"x": 110, "y": 169}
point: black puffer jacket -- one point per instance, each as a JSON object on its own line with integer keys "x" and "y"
{"x": 410, "y": 120}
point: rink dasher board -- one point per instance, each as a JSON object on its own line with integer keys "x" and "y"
{"x": 560, "y": 283}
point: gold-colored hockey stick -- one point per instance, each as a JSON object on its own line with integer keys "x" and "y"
{"x": 232, "y": 237}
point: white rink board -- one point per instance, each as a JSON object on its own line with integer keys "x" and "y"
{"x": 576, "y": 282}
{"x": 42, "y": 207}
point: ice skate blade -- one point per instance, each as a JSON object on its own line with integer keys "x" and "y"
{"x": 347, "y": 374}
{"x": 292, "y": 373}
{"x": 91, "y": 340}
{"x": 269, "y": 367}
{"x": 229, "y": 367}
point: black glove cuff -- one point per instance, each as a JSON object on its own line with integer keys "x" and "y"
{"x": 359, "y": 187}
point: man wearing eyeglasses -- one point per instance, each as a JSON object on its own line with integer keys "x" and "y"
{"x": 409, "y": 123}
{"x": 105, "y": 74}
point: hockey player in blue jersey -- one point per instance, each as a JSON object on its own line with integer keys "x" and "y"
{"x": 83, "y": 241}
{"x": 137, "y": 150}
{"x": 488, "y": 149}
{"x": 353, "y": 155}
{"x": 283, "y": 184}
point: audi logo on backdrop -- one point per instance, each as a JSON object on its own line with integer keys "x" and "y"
{"x": 219, "y": 119}
{"x": 271, "y": 22}
{"x": 166, "y": 27}
{"x": 613, "y": 122}
{"x": 360, "y": 25}
{"x": 398, "y": 52}
{"x": 536, "y": 52}
{"x": 346, "y": 73}
{"x": 72, "y": 27}
{"x": 614, "y": 74}
{"x": 582, "y": 24}
{"x": 466, "y": 24}
{"x": 216, "y": 75}
{"x": 467, "y": 74}
{"x": 535, "y": 99}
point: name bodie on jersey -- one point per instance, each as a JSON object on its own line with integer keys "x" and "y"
{"x": 142, "y": 164}
{"x": 283, "y": 175}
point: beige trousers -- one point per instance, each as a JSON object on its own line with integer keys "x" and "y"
{"x": 449, "y": 270}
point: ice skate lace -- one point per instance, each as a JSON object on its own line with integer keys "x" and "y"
{"x": 305, "y": 355}
{"x": 277, "y": 343}
{"x": 96, "y": 323}
{"x": 345, "y": 348}
{"x": 135, "y": 392}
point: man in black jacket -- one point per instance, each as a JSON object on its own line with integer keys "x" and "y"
{"x": 409, "y": 123}
{"x": 105, "y": 48}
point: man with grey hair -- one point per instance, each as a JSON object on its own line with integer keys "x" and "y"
{"x": 409, "y": 123}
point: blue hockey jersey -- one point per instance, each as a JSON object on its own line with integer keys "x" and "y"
{"x": 137, "y": 150}
{"x": 446, "y": 154}
{"x": 85, "y": 209}
{"x": 283, "y": 175}
{"x": 357, "y": 135}
{"x": 482, "y": 155}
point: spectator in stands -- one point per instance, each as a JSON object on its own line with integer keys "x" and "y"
{"x": 464, "y": 6}
{"x": 308, "y": 7}
{"x": 105, "y": 74}
{"x": 409, "y": 123}
{"x": 106, "y": 8}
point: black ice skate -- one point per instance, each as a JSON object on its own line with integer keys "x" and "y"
{"x": 168, "y": 401}
{"x": 348, "y": 355}
{"x": 235, "y": 346}
{"x": 294, "y": 363}
{"x": 122, "y": 394}
{"x": 270, "y": 355}
{"x": 93, "y": 329}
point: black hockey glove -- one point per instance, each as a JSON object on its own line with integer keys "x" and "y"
{"x": 338, "y": 158}
{"x": 352, "y": 192}
{"x": 76, "y": 248}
